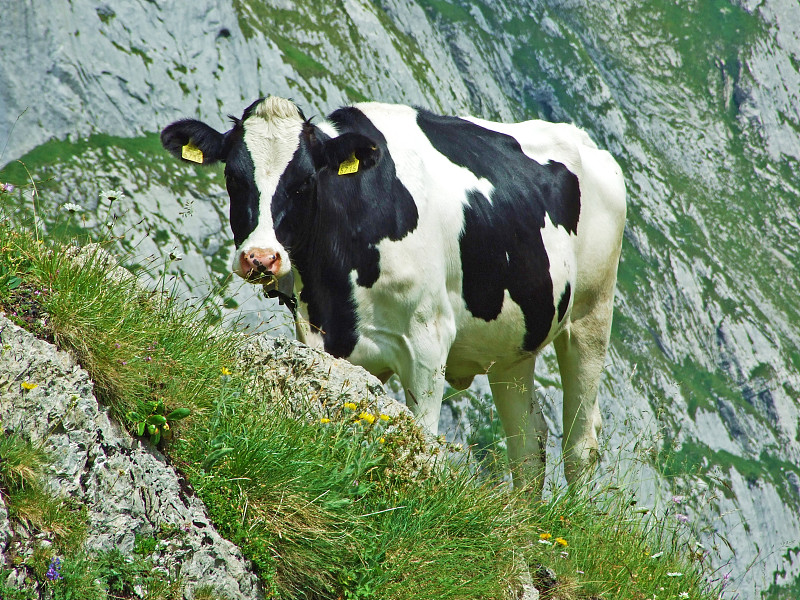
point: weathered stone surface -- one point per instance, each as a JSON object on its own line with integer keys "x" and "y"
{"x": 126, "y": 485}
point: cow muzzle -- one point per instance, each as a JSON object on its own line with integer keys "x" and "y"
{"x": 258, "y": 264}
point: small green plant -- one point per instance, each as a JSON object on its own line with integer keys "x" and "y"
{"x": 157, "y": 423}
{"x": 8, "y": 280}
{"x": 208, "y": 592}
{"x": 15, "y": 593}
{"x": 122, "y": 576}
{"x": 144, "y": 545}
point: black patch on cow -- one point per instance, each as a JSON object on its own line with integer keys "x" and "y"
{"x": 501, "y": 245}
{"x": 331, "y": 224}
{"x": 563, "y": 304}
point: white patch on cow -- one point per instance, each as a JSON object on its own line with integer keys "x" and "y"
{"x": 500, "y": 339}
{"x": 272, "y": 135}
{"x": 544, "y": 141}
{"x": 434, "y": 181}
{"x": 327, "y": 128}
{"x": 561, "y": 249}
{"x": 484, "y": 186}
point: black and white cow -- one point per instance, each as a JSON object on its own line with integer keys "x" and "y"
{"x": 436, "y": 248}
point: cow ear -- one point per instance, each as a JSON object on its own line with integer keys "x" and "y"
{"x": 350, "y": 153}
{"x": 194, "y": 141}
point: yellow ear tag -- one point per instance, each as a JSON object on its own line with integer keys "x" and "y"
{"x": 192, "y": 153}
{"x": 349, "y": 166}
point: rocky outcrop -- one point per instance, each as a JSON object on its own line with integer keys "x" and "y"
{"x": 126, "y": 485}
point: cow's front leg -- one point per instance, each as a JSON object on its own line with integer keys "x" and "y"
{"x": 424, "y": 387}
{"x": 422, "y": 368}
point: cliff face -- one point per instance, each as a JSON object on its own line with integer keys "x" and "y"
{"x": 698, "y": 100}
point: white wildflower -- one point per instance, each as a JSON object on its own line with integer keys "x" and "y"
{"x": 683, "y": 595}
{"x": 674, "y": 574}
{"x": 112, "y": 195}
{"x": 71, "y": 207}
{"x": 546, "y": 542}
{"x": 657, "y": 555}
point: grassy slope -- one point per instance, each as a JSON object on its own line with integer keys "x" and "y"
{"x": 324, "y": 510}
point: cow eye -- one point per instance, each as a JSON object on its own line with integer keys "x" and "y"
{"x": 302, "y": 188}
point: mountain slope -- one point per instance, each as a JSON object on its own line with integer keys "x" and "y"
{"x": 697, "y": 99}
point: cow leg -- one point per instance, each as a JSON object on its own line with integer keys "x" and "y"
{"x": 424, "y": 388}
{"x": 581, "y": 352}
{"x": 521, "y": 415}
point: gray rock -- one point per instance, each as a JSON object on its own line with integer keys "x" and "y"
{"x": 126, "y": 485}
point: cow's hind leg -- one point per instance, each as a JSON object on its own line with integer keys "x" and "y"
{"x": 521, "y": 415}
{"x": 581, "y": 351}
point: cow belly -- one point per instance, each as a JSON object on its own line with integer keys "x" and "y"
{"x": 480, "y": 344}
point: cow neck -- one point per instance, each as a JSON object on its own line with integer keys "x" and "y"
{"x": 350, "y": 216}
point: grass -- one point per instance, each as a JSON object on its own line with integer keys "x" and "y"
{"x": 324, "y": 508}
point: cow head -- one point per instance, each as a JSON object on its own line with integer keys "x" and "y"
{"x": 273, "y": 159}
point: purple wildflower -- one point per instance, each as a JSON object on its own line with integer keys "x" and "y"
{"x": 54, "y": 572}
{"x": 682, "y": 518}
{"x": 678, "y": 499}
{"x": 7, "y": 187}
{"x": 726, "y": 578}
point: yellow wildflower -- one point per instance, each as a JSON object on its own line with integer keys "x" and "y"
{"x": 545, "y": 536}
{"x": 350, "y": 405}
{"x": 382, "y": 440}
{"x": 384, "y": 417}
{"x": 26, "y": 385}
{"x": 367, "y": 417}
{"x": 324, "y": 420}
{"x": 562, "y": 541}
{"x": 225, "y": 371}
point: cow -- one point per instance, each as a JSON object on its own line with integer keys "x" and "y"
{"x": 434, "y": 247}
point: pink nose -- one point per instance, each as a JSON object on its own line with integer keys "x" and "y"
{"x": 258, "y": 262}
